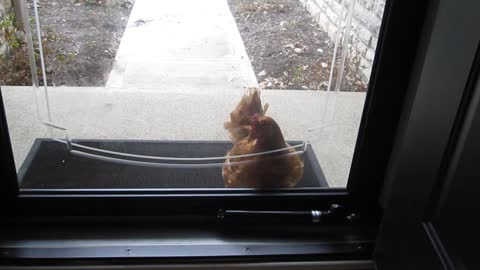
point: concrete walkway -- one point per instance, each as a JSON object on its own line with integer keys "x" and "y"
{"x": 140, "y": 114}
{"x": 180, "y": 69}
{"x": 181, "y": 44}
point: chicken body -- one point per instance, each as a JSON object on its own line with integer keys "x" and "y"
{"x": 274, "y": 170}
{"x": 239, "y": 125}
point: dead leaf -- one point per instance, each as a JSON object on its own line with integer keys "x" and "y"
{"x": 262, "y": 73}
{"x": 298, "y": 50}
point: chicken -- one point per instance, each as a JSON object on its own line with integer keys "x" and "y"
{"x": 239, "y": 125}
{"x": 280, "y": 169}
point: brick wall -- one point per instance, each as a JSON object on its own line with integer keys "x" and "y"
{"x": 366, "y": 22}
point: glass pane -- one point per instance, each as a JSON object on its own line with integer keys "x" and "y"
{"x": 186, "y": 93}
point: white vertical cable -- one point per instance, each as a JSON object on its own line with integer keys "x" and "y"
{"x": 31, "y": 56}
{"x": 42, "y": 62}
{"x": 330, "y": 102}
{"x": 328, "y": 98}
{"x": 346, "y": 40}
{"x": 29, "y": 40}
{"x": 337, "y": 41}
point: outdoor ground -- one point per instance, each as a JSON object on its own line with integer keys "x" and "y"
{"x": 180, "y": 83}
{"x": 80, "y": 40}
{"x": 142, "y": 114}
{"x": 287, "y": 48}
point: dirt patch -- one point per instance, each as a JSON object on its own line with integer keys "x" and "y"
{"x": 80, "y": 41}
{"x": 287, "y": 48}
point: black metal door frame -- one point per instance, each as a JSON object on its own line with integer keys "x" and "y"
{"x": 446, "y": 76}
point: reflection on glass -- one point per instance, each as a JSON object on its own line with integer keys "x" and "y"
{"x": 189, "y": 94}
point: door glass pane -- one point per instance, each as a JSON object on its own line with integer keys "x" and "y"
{"x": 186, "y": 93}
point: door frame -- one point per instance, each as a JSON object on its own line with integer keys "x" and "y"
{"x": 444, "y": 81}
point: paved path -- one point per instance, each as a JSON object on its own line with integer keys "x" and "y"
{"x": 180, "y": 69}
{"x": 141, "y": 114}
{"x": 181, "y": 44}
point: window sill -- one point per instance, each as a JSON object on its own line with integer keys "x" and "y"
{"x": 182, "y": 241}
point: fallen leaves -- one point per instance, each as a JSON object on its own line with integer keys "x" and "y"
{"x": 262, "y": 73}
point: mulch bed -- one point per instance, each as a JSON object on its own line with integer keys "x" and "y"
{"x": 80, "y": 41}
{"x": 287, "y": 48}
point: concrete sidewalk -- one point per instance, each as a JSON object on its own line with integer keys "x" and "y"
{"x": 180, "y": 70}
{"x": 187, "y": 44}
{"x": 140, "y": 114}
